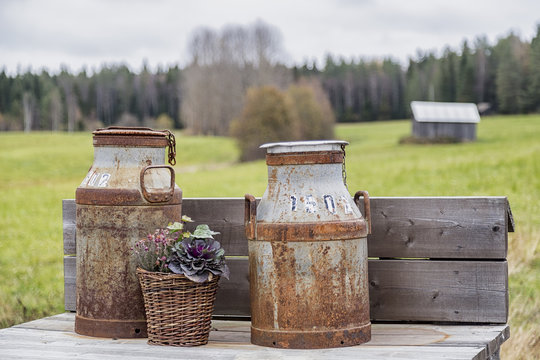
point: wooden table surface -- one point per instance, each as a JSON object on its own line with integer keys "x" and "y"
{"x": 53, "y": 338}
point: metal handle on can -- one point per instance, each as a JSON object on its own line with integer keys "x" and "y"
{"x": 160, "y": 196}
{"x": 367, "y": 208}
{"x": 250, "y": 216}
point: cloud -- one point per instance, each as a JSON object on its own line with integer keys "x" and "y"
{"x": 48, "y": 33}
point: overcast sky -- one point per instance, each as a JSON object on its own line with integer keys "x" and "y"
{"x": 48, "y": 33}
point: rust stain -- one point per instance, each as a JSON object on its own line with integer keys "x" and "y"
{"x": 308, "y": 261}
{"x": 122, "y": 197}
{"x": 308, "y": 231}
{"x": 109, "y": 300}
{"x": 111, "y": 218}
{"x": 305, "y": 158}
{"x": 129, "y": 136}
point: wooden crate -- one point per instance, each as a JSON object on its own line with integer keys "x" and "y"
{"x": 431, "y": 259}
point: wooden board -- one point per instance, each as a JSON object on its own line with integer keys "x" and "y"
{"x": 469, "y": 288}
{"x": 439, "y": 291}
{"x": 69, "y": 226}
{"x": 225, "y": 215}
{"x": 70, "y": 276}
{"x": 438, "y": 227}
{"x": 399, "y": 290}
{"x": 447, "y": 228}
{"x": 53, "y": 338}
{"x": 232, "y": 298}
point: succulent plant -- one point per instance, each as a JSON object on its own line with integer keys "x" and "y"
{"x": 199, "y": 257}
{"x": 196, "y": 255}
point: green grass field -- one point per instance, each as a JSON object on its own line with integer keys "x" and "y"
{"x": 38, "y": 170}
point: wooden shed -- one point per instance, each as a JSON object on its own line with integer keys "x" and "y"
{"x": 444, "y": 120}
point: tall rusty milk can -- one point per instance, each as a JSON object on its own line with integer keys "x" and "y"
{"x": 308, "y": 251}
{"x": 128, "y": 192}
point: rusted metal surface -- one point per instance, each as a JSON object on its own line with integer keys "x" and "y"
{"x": 317, "y": 231}
{"x": 308, "y": 253}
{"x": 129, "y": 136}
{"x": 161, "y": 195}
{"x": 107, "y": 287}
{"x": 136, "y": 137}
{"x": 126, "y": 140}
{"x": 125, "y": 197}
{"x": 127, "y": 193}
{"x": 250, "y": 216}
{"x": 367, "y": 206}
{"x": 313, "y": 157}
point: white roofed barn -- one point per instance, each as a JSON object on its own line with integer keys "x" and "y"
{"x": 444, "y": 120}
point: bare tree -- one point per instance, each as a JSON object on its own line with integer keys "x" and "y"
{"x": 28, "y": 110}
{"x": 223, "y": 66}
{"x": 55, "y": 109}
{"x": 66, "y": 81}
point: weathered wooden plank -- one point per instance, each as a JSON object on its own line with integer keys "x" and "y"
{"x": 54, "y": 349}
{"x": 419, "y": 278}
{"x": 453, "y": 291}
{"x": 225, "y": 215}
{"x": 70, "y": 275}
{"x": 427, "y": 227}
{"x": 400, "y": 290}
{"x": 435, "y": 130}
{"x": 448, "y": 228}
{"x": 410, "y": 290}
{"x": 52, "y": 338}
{"x": 232, "y": 298}
{"x": 69, "y": 226}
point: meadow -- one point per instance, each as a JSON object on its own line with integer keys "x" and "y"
{"x": 38, "y": 170}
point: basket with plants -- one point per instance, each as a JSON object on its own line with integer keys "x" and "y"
{"x": 178, "y": 271}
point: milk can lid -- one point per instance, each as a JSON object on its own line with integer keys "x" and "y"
{"x": 304, "y": 146}
{"x": 130, "y": 136}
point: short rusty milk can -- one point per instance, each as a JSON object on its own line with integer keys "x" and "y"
{"x": 128, "y": 192}
{"x": 308, "y": 251}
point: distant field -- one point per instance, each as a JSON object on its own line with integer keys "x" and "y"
{"x": 38, "y": 170}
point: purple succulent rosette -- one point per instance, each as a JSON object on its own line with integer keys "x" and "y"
{"x": 199, "y": 257}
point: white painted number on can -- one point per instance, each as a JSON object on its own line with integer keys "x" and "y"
{"x": 294, "y": 202}
{"x": 329, "y": 202}
{"x": 85, "y": 179}
{"x": 346, "y": 205}
{"x": 104, "y": 179}
{"x": 93, "y": 179}
{"x": 311, "y": 204}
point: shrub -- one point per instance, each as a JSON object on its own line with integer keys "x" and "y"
{"x": 311, "y": 115}
{"x": 270, "y": 115}
{"x": 265, "y": 118}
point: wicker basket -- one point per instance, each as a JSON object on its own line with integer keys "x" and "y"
{"x": 178, "y": 310}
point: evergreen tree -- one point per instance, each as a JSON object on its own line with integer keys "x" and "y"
{"x": 466, "y": 78}
{"x": 533, "y": 86}
{"x": 509, "y": 75}
{"x": 448, "y": 78}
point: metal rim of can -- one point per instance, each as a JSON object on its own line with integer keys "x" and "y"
{"x": 304, "y": 158}
{"x": 311, "y": 231}
{"x": 303, "y": 146}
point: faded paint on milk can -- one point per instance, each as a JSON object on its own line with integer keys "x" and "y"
{"x": 127, "y": 193}
{"x": 308, "y": 251}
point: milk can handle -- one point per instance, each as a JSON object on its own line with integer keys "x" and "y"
{"x": 367, "y": 208}
{"x": 158, "y": 196}
{"x": 250, "y": 216}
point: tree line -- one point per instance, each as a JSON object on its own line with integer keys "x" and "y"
{"x": 208, "y": 94}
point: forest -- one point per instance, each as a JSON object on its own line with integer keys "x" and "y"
{"x": 207, "y": 94}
